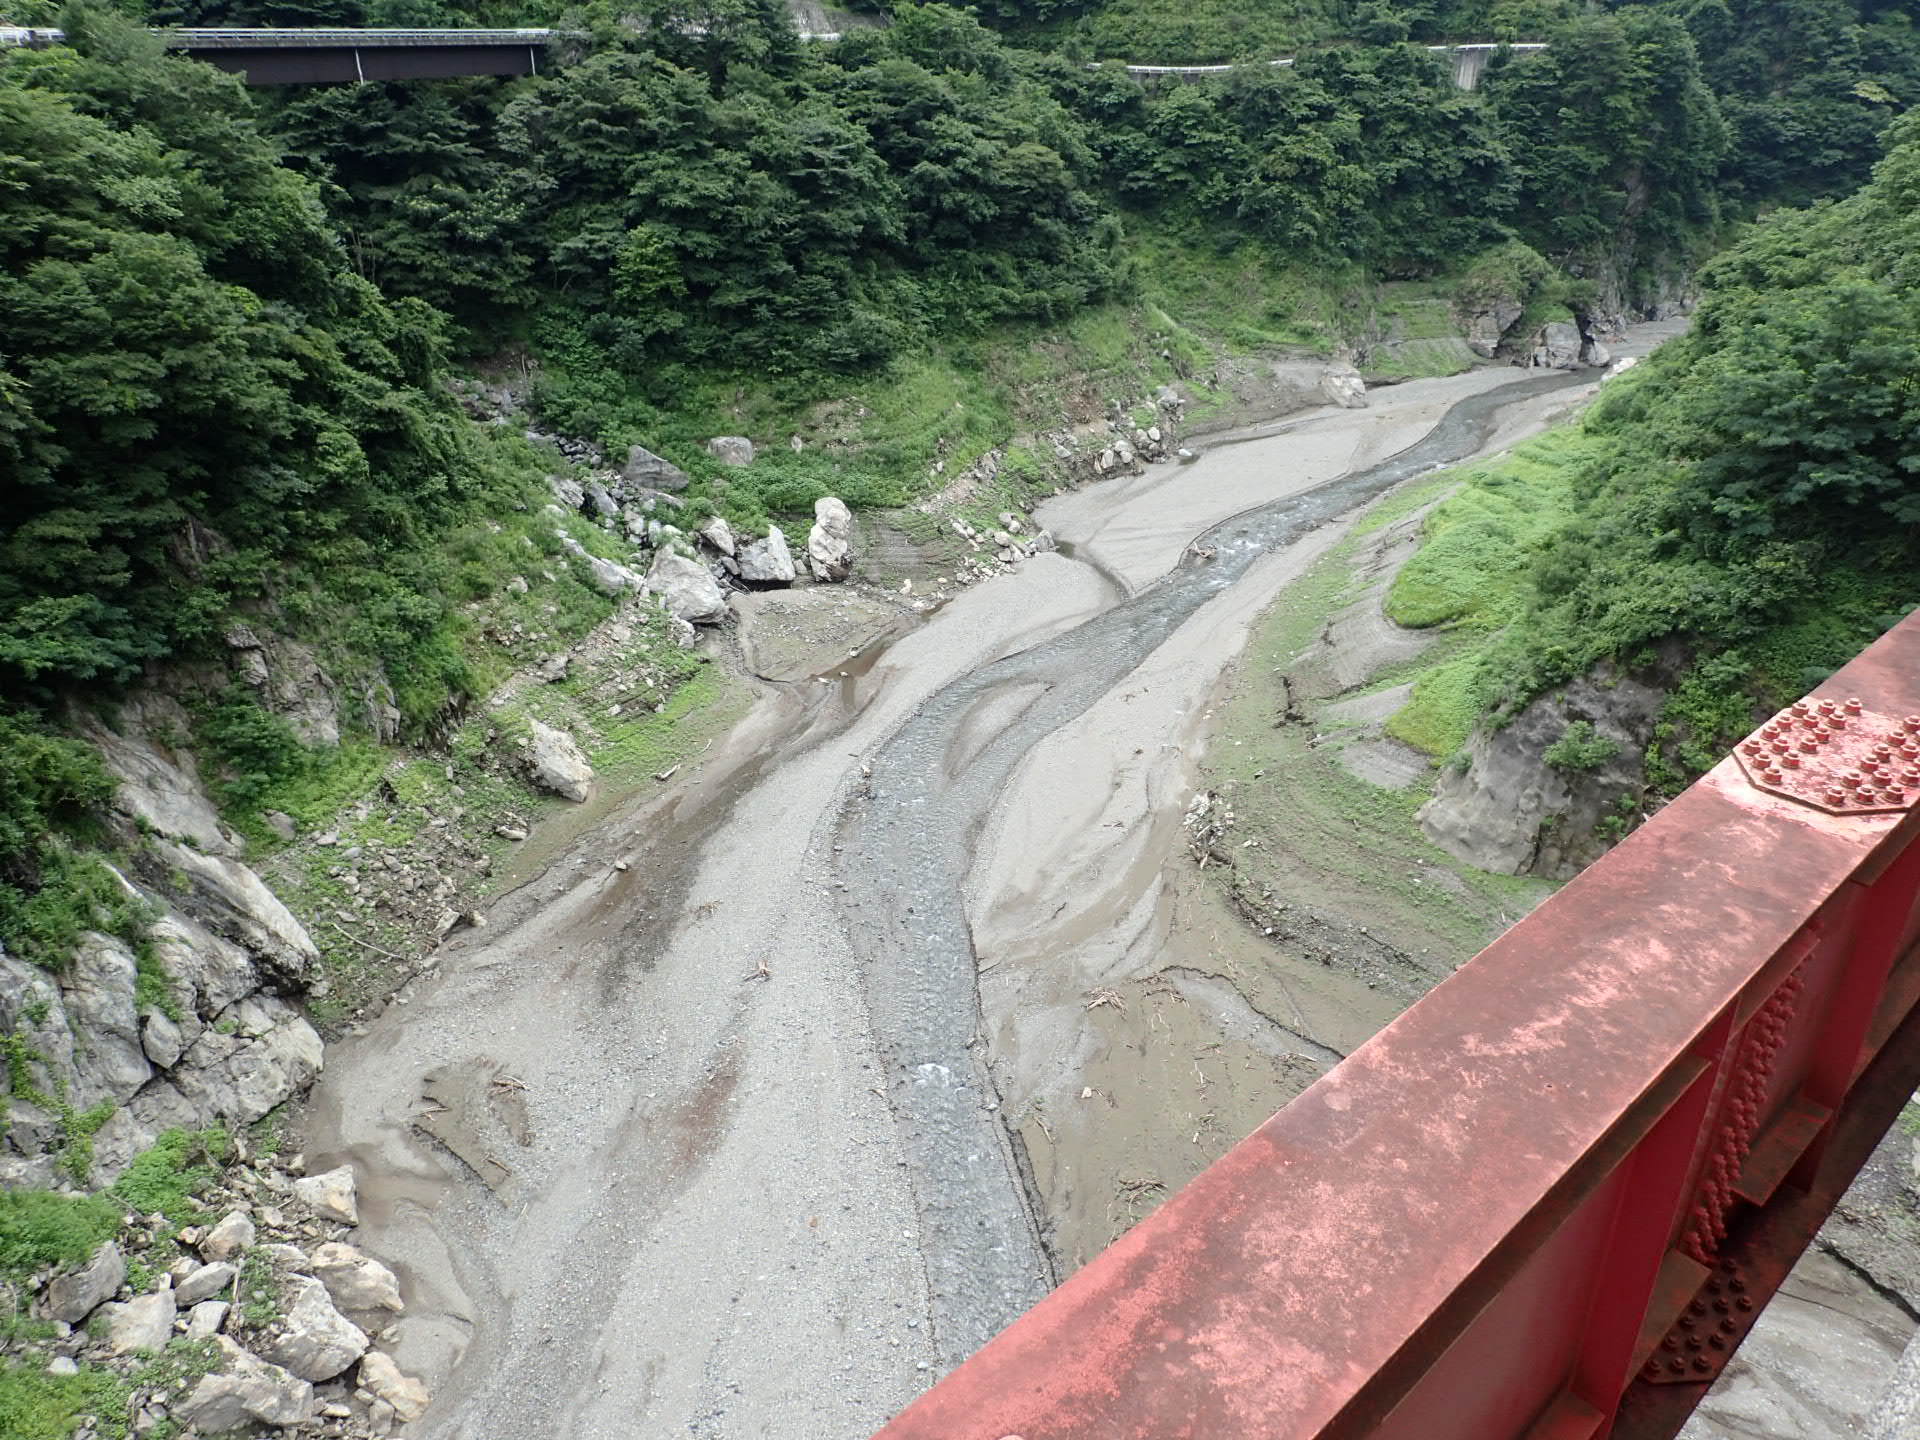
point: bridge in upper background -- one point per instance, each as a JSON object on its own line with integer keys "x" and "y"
{"x": 1469, "y": 63}
{"x": 318, "y": 56}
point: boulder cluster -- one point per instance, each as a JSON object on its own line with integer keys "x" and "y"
{"x": 690, "y": 564}
{"x": 287, "y": 1310}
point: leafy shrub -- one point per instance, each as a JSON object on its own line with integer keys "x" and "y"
{"x": 165, "y": 1176}
{"x": 40, "y": 1228}
{"x": 1580, "y": 747}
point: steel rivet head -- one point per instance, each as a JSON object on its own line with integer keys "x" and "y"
{"x": 1672, "y": 1342}
{"x": 1838, "y": 722}
{"x": 1717, "y": 1341}
{"x": 1853, "y": 704}
{"x": 1702, "y": 1364}
{"x": 1912, "y": 722}
{"x": 1799, "y": 707}
{"x": 1677, "y": 1365}
{"x": 1836, "y": 797}
{"x": 1827, "y": 707}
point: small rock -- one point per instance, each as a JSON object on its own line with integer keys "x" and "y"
{"x": 643, "y": 467}
{"x": 63, "y": 1365}
{"x": 717, "y": 533}
{"x": 74, "y": 1296}
{"x": 227, "y": 1239}
{"x": 408, "y": 1397}
{"x": 205, "y": 1320}
{"x": 206, "y": 1282}
{"x": 356, "y": 1281}
{"x": 280, "y": 823}
{"x": 331, "y": 1195}
{"x": 143, "y": 1323}
{"x": 510, "y": 832}
{"x": 553, "y": 669}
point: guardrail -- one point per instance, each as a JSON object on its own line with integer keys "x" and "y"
{"x": 1551, "y": 1198}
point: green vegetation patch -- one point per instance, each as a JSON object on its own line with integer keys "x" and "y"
{"x": 165, "y": 1177}
{"x": 37, "y": 1406}
{"x": 38, "y": 1228}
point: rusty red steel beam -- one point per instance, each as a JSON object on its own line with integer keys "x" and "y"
{"x": 1548, "y": 1200}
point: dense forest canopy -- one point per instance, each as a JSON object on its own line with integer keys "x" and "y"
{"x": 229, "y": 312}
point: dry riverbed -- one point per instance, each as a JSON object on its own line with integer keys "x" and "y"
{"x": 717, "y": 1110}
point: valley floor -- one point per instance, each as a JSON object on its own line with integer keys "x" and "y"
{"x": 726, "y": 1210}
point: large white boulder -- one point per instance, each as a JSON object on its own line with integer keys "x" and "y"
{"x": 143, "y": 1323}
{"x": 382, "y": 1377}
{"x": 733, "y": 450}
{"x": 557, "y": 764}
{"x": 78, "y": 1293}
{"x": 768, "y": 561}
{"x": 687, "y": 587}
{"x": 356, "y": 1281}
{"x": 330, "y": 1195}
{"x": 830, "y": 542}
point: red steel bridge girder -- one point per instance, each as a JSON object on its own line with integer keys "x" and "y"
{"x": 1549, "y": 1199}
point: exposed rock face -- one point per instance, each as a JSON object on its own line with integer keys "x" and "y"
{"x": 98, "y": 995}
{"x": 1513, "y": 813}
{"x": 556, "y": 764}
{"x": 717, "y": 533}
{"x": 1488, "y": 322}
{"x": 158, "y": 786}
{"x": 600, "y": 503}
{"x": 72, "y": 1297}
{"x": 830, "y": 542}
{"x": 1557, "y": 347}
{"x": 314, "y": 1340}
{"x": 160, "y": 1039}
{"x": 330, "y": 1195}
{"x": 235, "y": 903}
{"x": 568, "y": 491}
{"x": 768, "y": 561}
{"x": 356, "y": 1281}
{"x": 731, "y": 449}
{"x": 244, "y": 1389}
{"x": 643, "y": 467}
{"x": 407, "y": 1396}
{"x": 143, "y": 1323}
{"x": 688, "y": 588}
{"x": 288, "y": 680}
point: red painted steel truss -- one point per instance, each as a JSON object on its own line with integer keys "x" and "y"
{"x": 1550, "y": 1199}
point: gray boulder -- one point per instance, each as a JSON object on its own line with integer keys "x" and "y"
{"x": 1342, "y": 386}
{"x": 717, "y": 533}
{"x": 206, "y": 1319}
{"x": 603, "y": 505}
{"x": 768, "y": 561}
{"x": 1558, "y": 347}
{"x": 608, "y": 576}
{"x": 1487, "y": 324}
{"x": 245, "y": 1389}
{"x": 734, "y": 450}
{"x": 314, "y": 1341}
{"x": 330, "y": 1195}
{"x": 205, "y": 1282}
{"x": 143, "y": 1323}
{"x": 356, "y": 1281}
{"x": 407, "y": 1396}
{"x": 238, "y": 1078}
{"x": 643, "y": 467}
{"x": 557, "y": 765}
{"x": 830, "y": 542}
{"x": 230, "y": 1237}
{"x": 72, "y": 1297}
{"x": 687, "y": 587}
{"x": 568, "y": 491}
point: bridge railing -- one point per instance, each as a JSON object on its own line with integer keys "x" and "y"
{"x": 1551, "y": 1198}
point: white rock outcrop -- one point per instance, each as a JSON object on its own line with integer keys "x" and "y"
{"x": 72, "y": 1297}
{"x": 735, "y": 450}
{"x": 143, "y": 1323}
{"x": 717, "y": 533}
{"x": 234, "y": 1234}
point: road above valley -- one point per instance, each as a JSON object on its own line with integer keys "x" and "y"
{"x": 734, "y": 1160}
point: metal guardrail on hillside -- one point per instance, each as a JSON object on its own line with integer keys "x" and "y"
{"x": 1549, "y": 1200}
